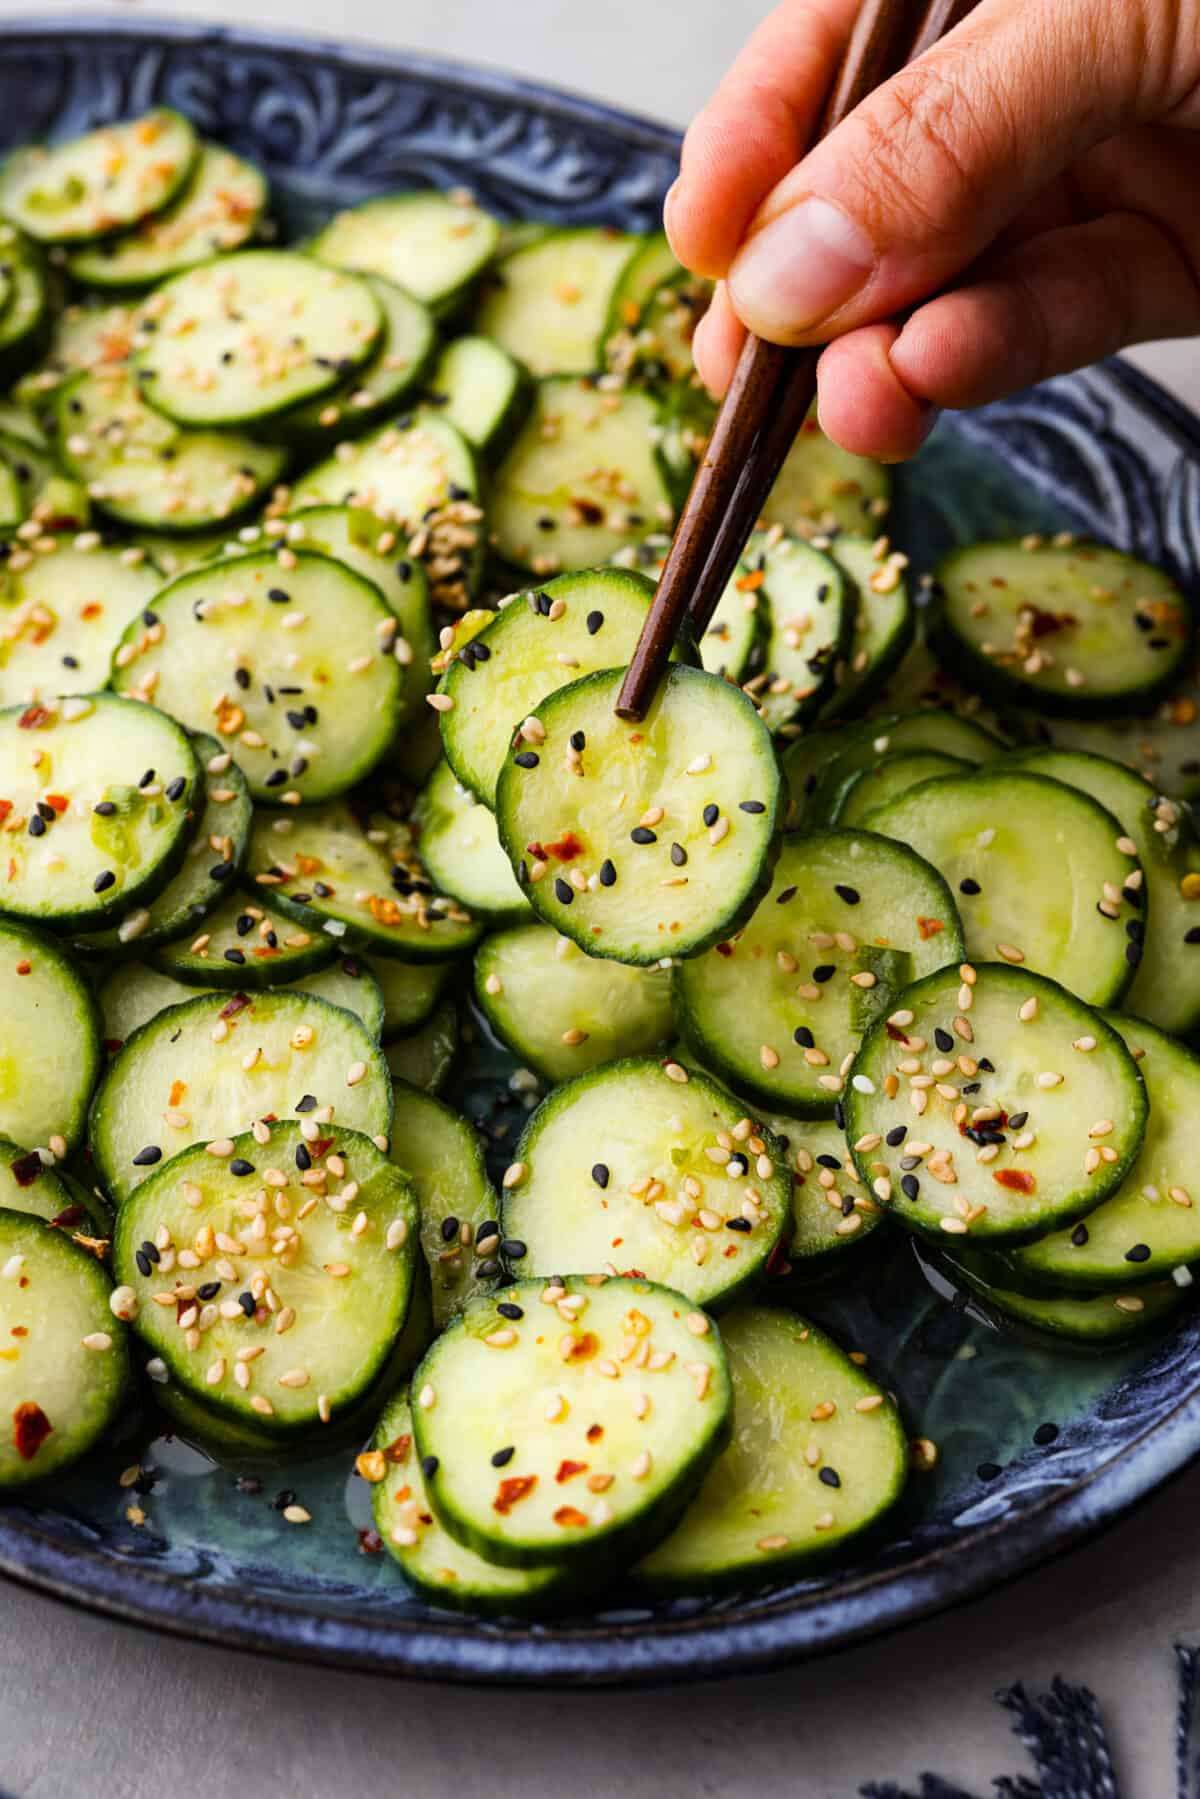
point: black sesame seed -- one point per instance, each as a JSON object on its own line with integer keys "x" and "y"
{"x": 640, "y": 834}
{"x": 37, "y": 825}
{"x": 236, "y": 956}
{"x": 678, "y": 855}
{"x": 242, "y": 677}
{"x": 907, "y": 1162}
{"x": 152, "y": 1250}
{"x": 753, "y": 806}
{"x": 989, "y": 1470}
{"x": 244, "y": 924}
{"x": 527, "y": 759}
{"x": 608, "y": 873}
{"x": 297, "y": 720}
{"x": 240, "y": 1166}
{"x": 594, "y": 621}
{"x": 222, "y": 871}
{"x": 146, "y": 778}
{"x": 1139, "y": 1253}
{"x": 46, "y": 811}
{"x": 711, "y": 814}
{"x": 303, "y": 1159}
{"x": 143, "y": 1263}
{"x": 825, "y": 972}
{"x": 104, "y": 880}
{"x": 1018, "y": 1120}
{"x": 283, "y": 1499}
{"x": 503, "y": 1457}
{"x": 513, "y": 1249}
{"x": 1079, "y": 1235}
{"x": 487, "y": 1270}
{"x": 177, "y": 788}
{"x": 600, "y": 1174}
{"x": 987, "y": 1066}
{"x": 563, "y": 890}
{"x": 1192, "y": 936}
{"x": 851, "y": 895}
{"x": 105, "y": 809}
{"x": 910, "y": 1186}
{"x": 307, "y": 1103}
{"x": 278, "y": 597}
{"x": 847, "y": 1204}
{"x": 70, "y": 662}
{"x": 208, "y": 1291}
{"x": 943, "y": 1039}
{"x": 830, "y": 1477}
{"x": 429, "y": 1466}
{"x": 969, "y": 886}
{"x": 507, "y": 1309}
{"x": 147, "y": 1157}
{"x": 804, "y": 1036}
{"x": 896, "y": 1136}
{"x": 781, "y": 899}
{"x": 825, "y": 1160}
{"x": 248, "y": 1304}
{"x": 449, "y": 1229}
{"x": 1045, "y": 1433}
{"x": 839, "y": 1114}
{"x": 737, "y": 1224}
{"x": 1133, "y": 954}
{"x": 971, "y": 1087}
{"x": 578, "y": 740}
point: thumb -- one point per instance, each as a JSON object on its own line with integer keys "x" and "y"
{"x": 922, "y": 176}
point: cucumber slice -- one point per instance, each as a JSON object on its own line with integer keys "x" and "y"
{"x": 133, "y": 994}
{"x": 781, "y": 1008}
{"x": 70, "y": 864}
{"x": 25, "y": 322}
{"x": 1166, "y": 986}
{"x": 662, "y": 344}
{"x": 636, "y": 1166}
{"x": 933, "y": 1129}
{"x": 810, "y": 610}
{"x": 140, "y": 468}
{"x": 461, "y": 850}
{"x": 1162, "y": 746}
{"x": 410, "y": 991}
{"x": 736, "y": 634}
{"x": 1072, "y": 628}
{"x": 67, "y": 1375}
{"x": 44, "y": 1093}
{"x": 563, "y": 1013}
{"x": 214, "y": 859}
{"x": 440, "y": 1570}
{"x": 80, "y": 337}
{"x": 418, "y": 474}
{"x": 297, "y": 1047}
{"x": 424, "y": 1058}
{"x": 16, "y": 420}
{"x": 1000, "y": 836}
{"x": 12, "y": 510}
{"x": 652, "y": 266}
{"x": 289, "y": 652}
{"x": 29, "y": 1185}
{"x": 700, "y": 765}
{"x": 323, "y": 1315}
{"x": 833, "y": 1209}
{"x": 822, "y": 487}
{"x": 331, "y": 876}
{"x": 62, "y": 613}
{"x": 547, "y": 302}
{"x": 245, "y": 337}
{"x": 536, "y": 644}
{"x": 885, "y": 622}
{"x": 482, "y": 391}
{"x": 219, "y": 210}
{"x": 432, "y": 244}
{"x": 101, "y": 182}
{"x": 368, "y": 546}
{"x": 172, "y": 554}
{"x": 241, "y": 946}
{"x": 583, "y": 478}
{"x": 393, "y": 369}
{"x": 870, "y": 788}
{"x": 787, "y": 1490}
{"x": 1151, "y": 1225}
{"x": 1099, "y": 1322}
{"x": 520, "y": 1379}
{"x": 819, "y": 767}
{"x": 442, "y": 1155}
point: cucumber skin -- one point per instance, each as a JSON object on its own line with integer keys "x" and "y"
{"x": 1011, "y": 1240}
{"x": 1038, "y": 1336}
{"x": 625, "y": 1544}
{"x": 249, "y": 976}
{"x": 758, "y": 890}
{"x": 997, "y": 684}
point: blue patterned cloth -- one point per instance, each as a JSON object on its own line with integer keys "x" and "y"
{"x": 1064, "y": 1734}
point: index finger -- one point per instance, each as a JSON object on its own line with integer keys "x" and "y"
{"x": 756, "y": 127}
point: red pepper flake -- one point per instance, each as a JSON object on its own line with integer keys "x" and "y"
{"x": 595, "y": 1432}
{"x": 113, "y": 1044}
{"x": 570, "y": 1518}
{"x": 237, "y": 1004}
{"x": 266, "y": 952}
{"x": 320, "y": 1146}
{"x": 1015, "y": 1178}
{"x": 18, "y": 1330}
{"x": 1045, "y": 624}
{"x": 26, "y": 1169}
{"x": 93, "y": 609}
{"x": 5, "y": 808}
{"x": 583, "y": 1348}
{"x": 750, "y": 583}
{"x": 895, "y": 1033}
{"x": 537, "y": 851}
{"x": 568, "y": 1470}
{"x": 369, "y": 1542}
{"x": 778, "y": 1263}
{"x": 397, "y": 1450}
{"x": 33, "y": 718}
{"x": 929, "y": 927}
{"x": 12, "y": 869}
{"x": 24, "y": 967}
{"x": 511, "y": 1491}
{"x": 66, "y": 1221}
{"x": 31, "y": 1427}
{"x": 724, "y": 949}
{"x": 565, "y": 848}
{"x": 178, "y": 1089}
{"x": 59, "y": 801}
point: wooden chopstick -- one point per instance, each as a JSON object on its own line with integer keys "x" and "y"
{"x": 772, "y": 389}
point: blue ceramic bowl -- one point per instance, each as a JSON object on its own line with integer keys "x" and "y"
{"x": 1104, "y": 452}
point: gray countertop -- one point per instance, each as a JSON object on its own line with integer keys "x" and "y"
{"x": 95, "y": 1710}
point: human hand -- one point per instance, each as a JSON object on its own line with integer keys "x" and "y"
{"x": 1038, "y": 171}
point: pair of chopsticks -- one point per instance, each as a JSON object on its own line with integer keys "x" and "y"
{"x": 771, "y": 391}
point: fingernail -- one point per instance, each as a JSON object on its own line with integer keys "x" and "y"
{"x": 668, "y": 203}
{"x": 803, "y": 266}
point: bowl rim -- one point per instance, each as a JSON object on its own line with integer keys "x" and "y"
{"x": 618, "y": 1652}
